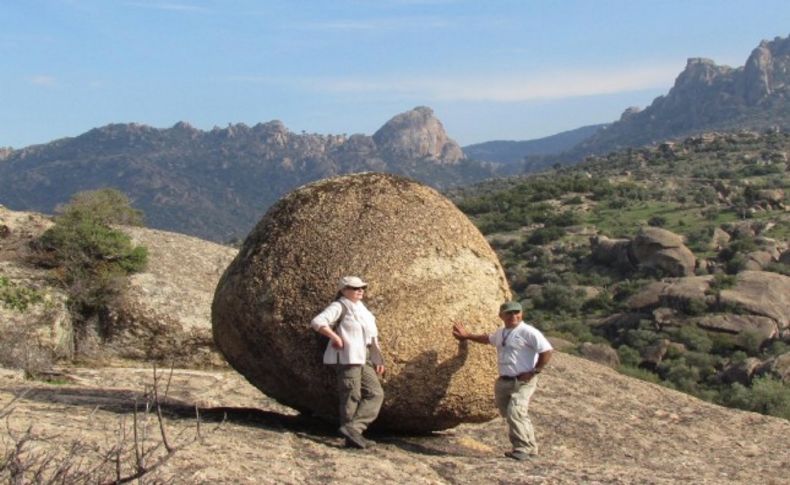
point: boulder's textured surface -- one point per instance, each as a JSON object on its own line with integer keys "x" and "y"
{"x": 426, "y": 264}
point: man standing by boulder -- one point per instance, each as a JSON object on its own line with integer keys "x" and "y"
{"x": 522, "y": 354}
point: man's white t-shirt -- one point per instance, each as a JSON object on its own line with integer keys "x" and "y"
{"x": 518, "y": 348}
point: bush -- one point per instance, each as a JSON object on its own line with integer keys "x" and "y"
{"x": 694, "y": 338}
{"x": 546, "y": 235}
{"x": 767, "y": 395}
{"x": 657, "y": 221}
{"x": 105, "y": 206}
{"x": 751, "y": 341}
{"x": 638, "y": 373}
{"x": 91, "y": 258}
{"x": 17, "y": 297}
{"x": 559, "y": 298}
{"x": 628, "y": 356}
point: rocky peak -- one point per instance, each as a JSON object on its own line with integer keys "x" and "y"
{"x": 417, "y": 134}
{"x": 767, "y": 69}
{"x": 629, "y": 112}
{"x": 700, "y": 70}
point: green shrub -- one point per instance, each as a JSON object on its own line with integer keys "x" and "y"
{"x": 694, "y": 338}
{"x": 682, "y": 375}
{"x": 17, "y": 297}
{"x": 105, "y": 206}
{"x": 657, "y": 221}
{"x": 559, "y": 298}
{"x": 638, "y": 373}
{"x": 767, "y": 395}
{"x": 91, "y": 258}
{"x": 628, "y": 356}
{"x": 545, "y": 235}
{"x": 751, "y": 341}
{"x": 694, "y": 307}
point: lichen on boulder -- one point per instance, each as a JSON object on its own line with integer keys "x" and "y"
{"x": 426, "y": 264}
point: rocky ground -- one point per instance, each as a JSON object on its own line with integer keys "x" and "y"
{"x": 594, "y": 426}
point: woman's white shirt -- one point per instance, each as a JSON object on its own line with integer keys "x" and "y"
{"x": 357, "y": 329}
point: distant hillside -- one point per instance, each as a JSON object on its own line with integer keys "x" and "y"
{"x": 707, "y": 97}
{"x": 512, "y": 153}
{"x": 670, "y": 263}
{"x": 217, "y": 184}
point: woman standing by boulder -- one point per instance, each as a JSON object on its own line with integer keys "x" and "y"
{"x": 354, "y": 350}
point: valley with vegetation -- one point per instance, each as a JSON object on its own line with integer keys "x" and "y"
{"x": 637, "y": 259}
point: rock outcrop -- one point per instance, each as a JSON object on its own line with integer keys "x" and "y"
{"x": 652, "y": 247}
{"x": 165, "y": 313}
{"x": 38, "y": 328}
{"x": 658, "y": 248}
{"x": 426, "y": 264}
{"x": 755, "y": 308}
{"x": 417, "y": 135}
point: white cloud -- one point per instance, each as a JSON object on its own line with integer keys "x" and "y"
{"x": 173, "y": 7}
{"x": 399, "y": 23}
{"x": 510, "y": 87}
{"x": 42, "y": 80}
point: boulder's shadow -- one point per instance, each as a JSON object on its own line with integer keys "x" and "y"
{"x": 125, "y": 402}
{"x": 425, "y": 379}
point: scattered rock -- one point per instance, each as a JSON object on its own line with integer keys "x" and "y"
{"x": 654, "y": 354}
{"x": 560, "y": 344}
{"x": 654, "y": 247}
{"x": 677, "y": 293}
{"x": 719, "y": 240}
{"x": 763, "y": 327}
{"x": 741, "y": 372}
{"x": 614, "y": 252}
{"x": 778, "y": 366}
{"x": 601, "y": 353}
{"x": 761, "y": 293}
{"x": 757, "y": 260}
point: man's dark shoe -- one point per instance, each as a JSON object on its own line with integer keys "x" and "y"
{"x": 353, "y": 437}
{"x": 519, "y": 455}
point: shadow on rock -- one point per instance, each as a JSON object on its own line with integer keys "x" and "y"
{"x": 422, "y": 383}
{"x": 125, "y": 401}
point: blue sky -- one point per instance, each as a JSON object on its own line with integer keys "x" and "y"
{"x": 496, "y": 69}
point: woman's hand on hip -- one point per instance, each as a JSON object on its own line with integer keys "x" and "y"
{"x": 337, "y": 342}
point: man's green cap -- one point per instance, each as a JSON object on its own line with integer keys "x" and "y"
{"x": 510, "y": 306}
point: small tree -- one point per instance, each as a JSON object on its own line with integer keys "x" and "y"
{"x": 92, "y": 259}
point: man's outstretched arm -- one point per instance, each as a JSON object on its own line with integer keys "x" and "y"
{"x": 460, "y": 332}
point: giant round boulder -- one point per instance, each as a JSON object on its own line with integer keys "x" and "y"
{"x": 426, "y": 265}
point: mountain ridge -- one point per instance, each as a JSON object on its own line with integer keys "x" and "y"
{"x": 229, "y": 176}
{"x": 707, "y": 97}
